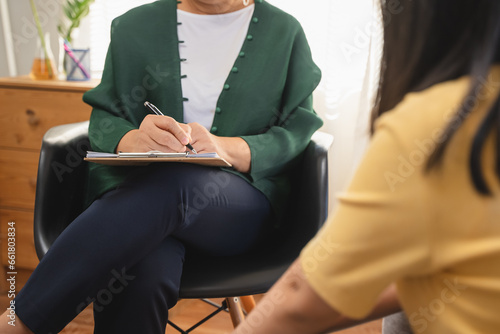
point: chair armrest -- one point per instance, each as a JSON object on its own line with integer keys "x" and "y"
{"x": 309, "y": 202}
{"x": 316, "y": 166}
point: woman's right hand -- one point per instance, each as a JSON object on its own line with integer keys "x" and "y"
{"x": 156, "y": 133}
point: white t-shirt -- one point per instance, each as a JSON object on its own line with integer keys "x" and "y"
{"x": 210, "y": 46}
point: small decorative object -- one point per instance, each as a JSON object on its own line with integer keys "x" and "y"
{"x": 43, "y": 65}
{"x": 76, "y": 61}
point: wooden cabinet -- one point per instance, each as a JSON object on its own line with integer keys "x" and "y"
{"x": 27, "y": 110}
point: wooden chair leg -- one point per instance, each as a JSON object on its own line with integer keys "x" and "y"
{"x": 248, "y": 303}
{"x": 234, "y": 306}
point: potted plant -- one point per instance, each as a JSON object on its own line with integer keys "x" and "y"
{"x": 73, "y": 13}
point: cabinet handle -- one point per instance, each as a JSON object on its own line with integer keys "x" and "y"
{"x": 33, "y": 119}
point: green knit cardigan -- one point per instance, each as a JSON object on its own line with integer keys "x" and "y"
{"x": 266, "y": 99}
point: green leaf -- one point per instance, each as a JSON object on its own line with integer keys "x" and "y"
{"x": 75, "y": 11}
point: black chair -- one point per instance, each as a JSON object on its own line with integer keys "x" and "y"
{"x": 62, "y": 175}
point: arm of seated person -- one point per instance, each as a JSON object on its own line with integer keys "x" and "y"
{"x": 163, "y": 133}
{"x": 234, "y": 150}
{"x": 292, "y": 306}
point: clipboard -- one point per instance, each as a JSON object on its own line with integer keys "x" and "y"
{"x": 145, "y": 158}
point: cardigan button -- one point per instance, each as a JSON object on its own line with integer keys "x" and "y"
{"x": 234, "y": 70}
{"x": 226, "y": 87}
{"x": 255, "y": 20}
{"x": 214, "y": 129}
{"x": 249, "y": 37}
{"x": 218, "y": 110}
{"x": 242, "y": 54}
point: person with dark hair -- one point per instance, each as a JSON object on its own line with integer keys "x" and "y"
{"x": 234, "y": 77}
{"x": 418, "y": 228}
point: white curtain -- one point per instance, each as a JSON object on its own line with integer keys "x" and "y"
{"x": 346, "y": 42}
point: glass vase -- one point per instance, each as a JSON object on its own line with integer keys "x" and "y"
{"x": 61, "y": 72}
{"x": 43, "y": 63}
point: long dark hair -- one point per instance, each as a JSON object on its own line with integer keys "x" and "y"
{"x": 431, "y": 41}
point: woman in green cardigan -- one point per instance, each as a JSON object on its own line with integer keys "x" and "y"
{"x": 231, "y": 76}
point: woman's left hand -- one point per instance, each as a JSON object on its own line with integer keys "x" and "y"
{"x": 233, "y": 149}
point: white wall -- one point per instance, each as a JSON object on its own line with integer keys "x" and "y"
{"x": 346, "y": 43}
{"x": 24, "y": 33}
{"x": 4, "y": 70}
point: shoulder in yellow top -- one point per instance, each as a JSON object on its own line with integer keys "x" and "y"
{"x": 430, "y": 232}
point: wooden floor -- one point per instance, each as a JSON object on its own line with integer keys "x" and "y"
{"x": 185, "y": 314}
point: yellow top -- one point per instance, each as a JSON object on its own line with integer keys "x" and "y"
{"x": 432, "y": 234}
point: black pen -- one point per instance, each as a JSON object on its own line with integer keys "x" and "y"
{"x": 157, "y": 111}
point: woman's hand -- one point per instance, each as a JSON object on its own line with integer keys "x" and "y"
{"x": 156, "y": 133}
{"x": 233, "y": 149}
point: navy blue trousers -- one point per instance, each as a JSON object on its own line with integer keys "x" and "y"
{"x": 126, "y": 251}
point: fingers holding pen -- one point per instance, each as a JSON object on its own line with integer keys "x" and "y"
{"x": 166, "y": 133}
{"x": 173, "y": 127}
{"x": 156, "y": 132}
{"x": 181, "y": 131}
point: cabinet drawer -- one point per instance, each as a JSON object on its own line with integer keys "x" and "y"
{"x": 28, "y": 113}
{"x": 21, "y": 278}
{"x": 24, "y": 241}
{"x": 18, "y": 170}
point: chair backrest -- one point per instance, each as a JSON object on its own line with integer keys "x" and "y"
{"x": 62, "y": 177}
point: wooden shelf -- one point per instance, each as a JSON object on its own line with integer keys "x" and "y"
{"x": 25, "y": 82}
